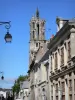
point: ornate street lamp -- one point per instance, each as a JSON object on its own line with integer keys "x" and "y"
{"x": 2, "y": 77}
{"x": 8, "y": 37}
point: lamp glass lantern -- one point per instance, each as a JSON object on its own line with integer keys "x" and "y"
{"x": 2, "y": 77}
{"x": 8, "y": 37}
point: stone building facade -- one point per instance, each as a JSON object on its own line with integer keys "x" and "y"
{"x": 38, "y": 66}
{"x": 52, "y": 62}
{"x": 62, "y": 61}
{"x": 24, "y": 90}
{"x": 5, "y": 93}
{"x": 37, "y": 35}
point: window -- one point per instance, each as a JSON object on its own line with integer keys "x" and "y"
{"x": 56, "y": 61}
{"x": 23, "y": 97}
{"x": 63, "y": 97}
{"x": 70, "y": 97}
{"x": 74, "y": 84}
{"x": 63, "y": 86}
{"x": 52, "y": 89}
{"x": 33, "y": 34}
{"x": 38, "y": 29}
{"x": 74, "y": 72}
{"x": 62, "y": 56}
{"x": 51, "y": 63}
{"x": 43, "y": 91}
{"x": 69, "y": 74}
{"x": 70, "y": 85}
{"x": 69, "y": 51}
{"x": 36, "y": 44}
{"x": 56, "y": 97}
{"x": 33, "y": 25}
{"x": 51, "y": 97}
{"x": 56, "y": 88}
{"x": 47, "y": 69}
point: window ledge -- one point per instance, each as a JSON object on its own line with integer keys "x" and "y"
{"x": 69, "y": 60}
{"x": 62, "y": 65}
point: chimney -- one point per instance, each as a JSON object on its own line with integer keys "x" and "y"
{"x": 60, "y": 22}
{"x": 52, "y": 37}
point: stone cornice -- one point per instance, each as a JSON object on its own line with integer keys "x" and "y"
{"x": 62, "y": 73}
{"x": 37, "y": 41}
{"x": 41, "y": 83}
{"x": 32, "y": 85}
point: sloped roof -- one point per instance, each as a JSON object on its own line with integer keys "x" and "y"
{"x": 72, "y": 20}
{"x": 3, "y": 89}
{"x": 24, "y": 85}
{"x": 41, "y": 52}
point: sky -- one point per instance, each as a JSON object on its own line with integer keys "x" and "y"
{"x": 14, "y": 56}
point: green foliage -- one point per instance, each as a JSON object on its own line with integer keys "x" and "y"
{"x": 22, "y": 78}
{"x": 16, "y": 87}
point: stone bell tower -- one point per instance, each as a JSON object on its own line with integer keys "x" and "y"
{"x": 37, "y": 34}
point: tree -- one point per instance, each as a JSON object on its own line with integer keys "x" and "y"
{"x": 16, "y": 87}
{"x": 22, "y": 78}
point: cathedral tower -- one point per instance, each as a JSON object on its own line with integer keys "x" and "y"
{"x": 37, "y": 34}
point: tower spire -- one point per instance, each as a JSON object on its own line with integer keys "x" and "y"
{"x": 37, "y": 13}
